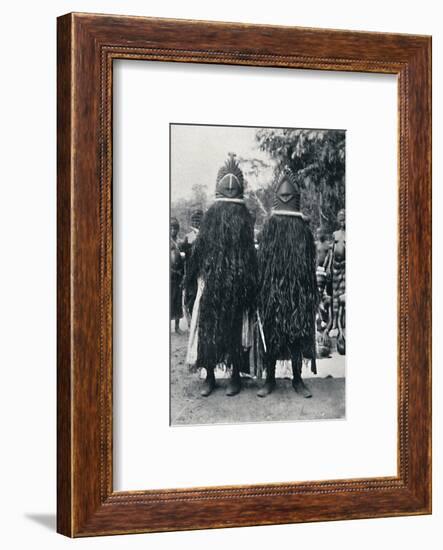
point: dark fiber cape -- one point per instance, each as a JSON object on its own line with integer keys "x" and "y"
{"x": 288, "y": 295}
{"x": 224, "y": 256}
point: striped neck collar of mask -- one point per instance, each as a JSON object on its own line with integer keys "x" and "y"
{"x": 225, "y": 199}
{"x": 294, "y": 213}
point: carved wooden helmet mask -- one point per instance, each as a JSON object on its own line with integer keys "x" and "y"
{"x": 230, "y": 181}
{"x": 286, "y": 192}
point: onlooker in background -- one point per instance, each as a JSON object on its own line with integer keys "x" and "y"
{"x": 187, "y": 247}
{"x": 176, "y": 274}
{"x": 337, "y": 267}
{"x": 322, "y": 245}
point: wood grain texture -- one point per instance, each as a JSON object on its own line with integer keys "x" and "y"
{"x": 87, "y": 46}
{"x": 64, "y": 180}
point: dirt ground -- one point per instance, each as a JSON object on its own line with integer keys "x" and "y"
{"x": 188, "y": 407}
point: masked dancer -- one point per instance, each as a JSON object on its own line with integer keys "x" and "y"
{"x": 224, "y": 266}
{"x": 288, "y": 295}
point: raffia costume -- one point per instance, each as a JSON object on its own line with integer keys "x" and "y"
{"x": 288, "y": 295}
{"x": 224, "y": 265}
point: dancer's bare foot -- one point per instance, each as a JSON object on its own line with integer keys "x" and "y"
{"x": 177, "y": 327}
{"x": 301, "y": 388}
{"x": 208, "y": 385}
{"x": 267, "y": 388}
{"x": 234, "y": 386}
{"x": 207, "y": 388}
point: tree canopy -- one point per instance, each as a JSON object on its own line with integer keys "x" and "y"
{"x": 317, "y": 157}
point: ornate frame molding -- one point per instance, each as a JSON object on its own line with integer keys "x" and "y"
{"x": 87, "y": 46}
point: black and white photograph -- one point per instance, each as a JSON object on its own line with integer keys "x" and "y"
{"x": 291, "y": 396}
{"x": 257, "y": 274}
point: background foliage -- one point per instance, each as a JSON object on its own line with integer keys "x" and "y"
{"x": 317, "y": 157}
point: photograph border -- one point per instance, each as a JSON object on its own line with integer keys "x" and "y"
{"x": 233, "y": 420}
{"x": 87, "y": 44}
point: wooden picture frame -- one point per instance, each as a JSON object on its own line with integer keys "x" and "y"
{"x": 87, "y": 46}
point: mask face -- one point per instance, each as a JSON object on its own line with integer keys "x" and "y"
{"x": 287, "y": 195}
{"x": 230, "y": 181}
{"x": 229, "y": 186}
{"x": 286, "y": 191}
